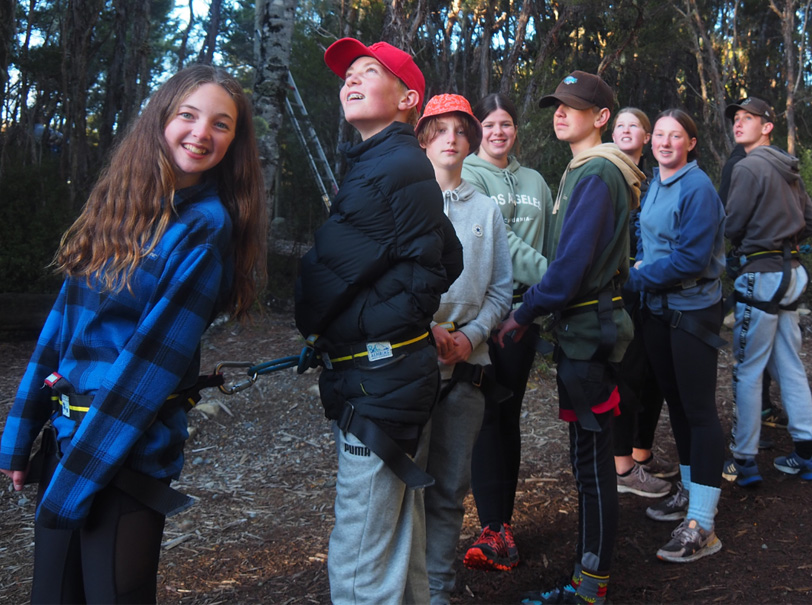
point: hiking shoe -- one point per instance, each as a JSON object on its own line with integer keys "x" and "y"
{"x": 774, "y": 417}
{"x": 662, "y": 469}
{"x": 689, "y": 542}
{"x": 794, "y": 465}
{"x": 639, "y": 482}
{"x": 510, "y": 543}
{"x": 743, "y": 474}
{"x": 672, "y": 508}
{"x": 489, "y": 552}
{"x": 565, "y": 593}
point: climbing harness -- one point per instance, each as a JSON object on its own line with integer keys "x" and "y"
{"x": 772, "y": 306}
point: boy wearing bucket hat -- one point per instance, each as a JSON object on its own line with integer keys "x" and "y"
{"x": 589, "y": 262}
{"x": 365, "y": 297}
{"x": 468, "y": 312}
{"x": 768, "y": 214}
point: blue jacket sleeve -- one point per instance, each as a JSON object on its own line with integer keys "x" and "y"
{"x": 587, "y": 229}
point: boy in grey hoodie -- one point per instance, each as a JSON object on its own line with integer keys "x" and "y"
{"x": 768, "y": 213}
{"x": 469, "y": 311}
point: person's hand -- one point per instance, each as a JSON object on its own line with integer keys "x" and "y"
{"x": 442, "y": 339}
{"x": 17, "y": 478}
{"x": 637, "y": 264}
{"x": 508, "y": 326}
{"x": 460, "y": 352}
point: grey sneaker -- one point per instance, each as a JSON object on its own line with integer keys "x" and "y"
{"x": 689, "y": 542}
{"x": 639, "y": 482}
{"x": 673, "y": 508}
{"x": 660, "y": 468}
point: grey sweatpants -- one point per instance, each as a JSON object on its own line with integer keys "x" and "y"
{"x": 453, "y": 428}
{"x": 378, "y": 545}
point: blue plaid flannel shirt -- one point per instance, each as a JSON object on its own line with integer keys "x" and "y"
{"x": 130, "y": 350}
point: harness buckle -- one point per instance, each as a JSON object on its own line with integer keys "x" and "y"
{"x": 676, "y": 316}
{"x": 346, "y": 416}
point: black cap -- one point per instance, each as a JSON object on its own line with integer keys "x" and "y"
{"x": 754, "y": 105}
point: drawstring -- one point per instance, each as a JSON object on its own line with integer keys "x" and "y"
{"x": 449, "y": 197}
{"x": 511, "y": 182}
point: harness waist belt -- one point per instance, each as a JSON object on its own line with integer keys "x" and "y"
{"x": 685, "y": 285}
{"x": 479, "y": 376}
{"x": 369, "y": 353}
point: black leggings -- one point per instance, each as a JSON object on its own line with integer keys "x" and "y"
{"x": 498, "y": 448}
{"x": 112, "y": 559}
{"x": 640, "y": 398}
{"x": 686, "y": 372}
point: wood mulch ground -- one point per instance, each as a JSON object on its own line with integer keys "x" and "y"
{"x": 261, "y": 467}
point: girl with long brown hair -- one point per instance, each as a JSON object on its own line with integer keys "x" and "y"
{"x": 171, "y": 236}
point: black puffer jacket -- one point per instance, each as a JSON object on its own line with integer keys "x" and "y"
{"x": 376, "y": 273}
{"x": 386, "y": 254}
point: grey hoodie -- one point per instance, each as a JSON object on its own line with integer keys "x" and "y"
{"x": 767, "y": 204}
{"x": 481, "y": 295}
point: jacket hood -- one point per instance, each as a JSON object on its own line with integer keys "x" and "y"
{"x": 784, "y": 163}
{"x": 462, "y": 193}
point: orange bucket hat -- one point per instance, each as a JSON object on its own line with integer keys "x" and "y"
{"x": 440, "y": 104}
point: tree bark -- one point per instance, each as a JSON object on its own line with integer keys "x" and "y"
{"x": 77, "y": 35}
{"x": 206, "y": 54}
{"x": 272, "y": 43}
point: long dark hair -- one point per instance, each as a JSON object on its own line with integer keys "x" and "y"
{"x": 490, "y": 103}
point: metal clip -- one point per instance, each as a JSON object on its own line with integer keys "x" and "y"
{"x": 240, "y": 386}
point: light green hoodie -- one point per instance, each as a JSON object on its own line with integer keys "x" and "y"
{"x": 526, "y": 205}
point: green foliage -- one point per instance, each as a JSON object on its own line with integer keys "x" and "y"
{"x": 33, "y": 215}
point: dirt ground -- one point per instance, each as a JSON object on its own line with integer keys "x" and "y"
{"x": 261, "y": 467}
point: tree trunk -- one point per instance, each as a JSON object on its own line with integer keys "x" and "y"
{"x": 509, "y": 72}
{"x": 787, "y": 15}
{"x": 212, "y": 29}
{"x": 77, "y": 32}
{"x": 274, "y": 31}
{"x": 7, "y": 23}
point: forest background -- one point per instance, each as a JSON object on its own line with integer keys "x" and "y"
{"x": 74, "y": 73}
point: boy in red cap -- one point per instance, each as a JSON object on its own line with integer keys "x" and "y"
{"x": 469, "y": 311}
{"x": 365, "y": 297}
{"x": 589, "y": 261}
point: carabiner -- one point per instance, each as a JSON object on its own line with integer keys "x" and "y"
{"x": 240, "y": 386}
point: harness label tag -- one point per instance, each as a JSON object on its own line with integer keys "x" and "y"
{"x": 65, "y": 401}
{"x": 379, "y": 350}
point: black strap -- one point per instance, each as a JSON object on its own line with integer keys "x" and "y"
{"x": 151, "y": 492}
{"x": 482, "y": 377}
{"x": 687, "y": 323}
{"x": 608, "y": 327}
{"x": 772, "y": 306}
{"x": 376, "y": 439}
{"x": 568, "y": 372}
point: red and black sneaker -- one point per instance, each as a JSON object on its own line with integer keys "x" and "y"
{"x": 512, "y": 549}
{"x": 489, "y": 552}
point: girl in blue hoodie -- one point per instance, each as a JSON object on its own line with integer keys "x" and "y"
{"x": 680, "y": 258}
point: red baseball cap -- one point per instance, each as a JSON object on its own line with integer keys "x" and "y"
{"x": 441, "y": 104}
{"x": 341, "y": 53}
